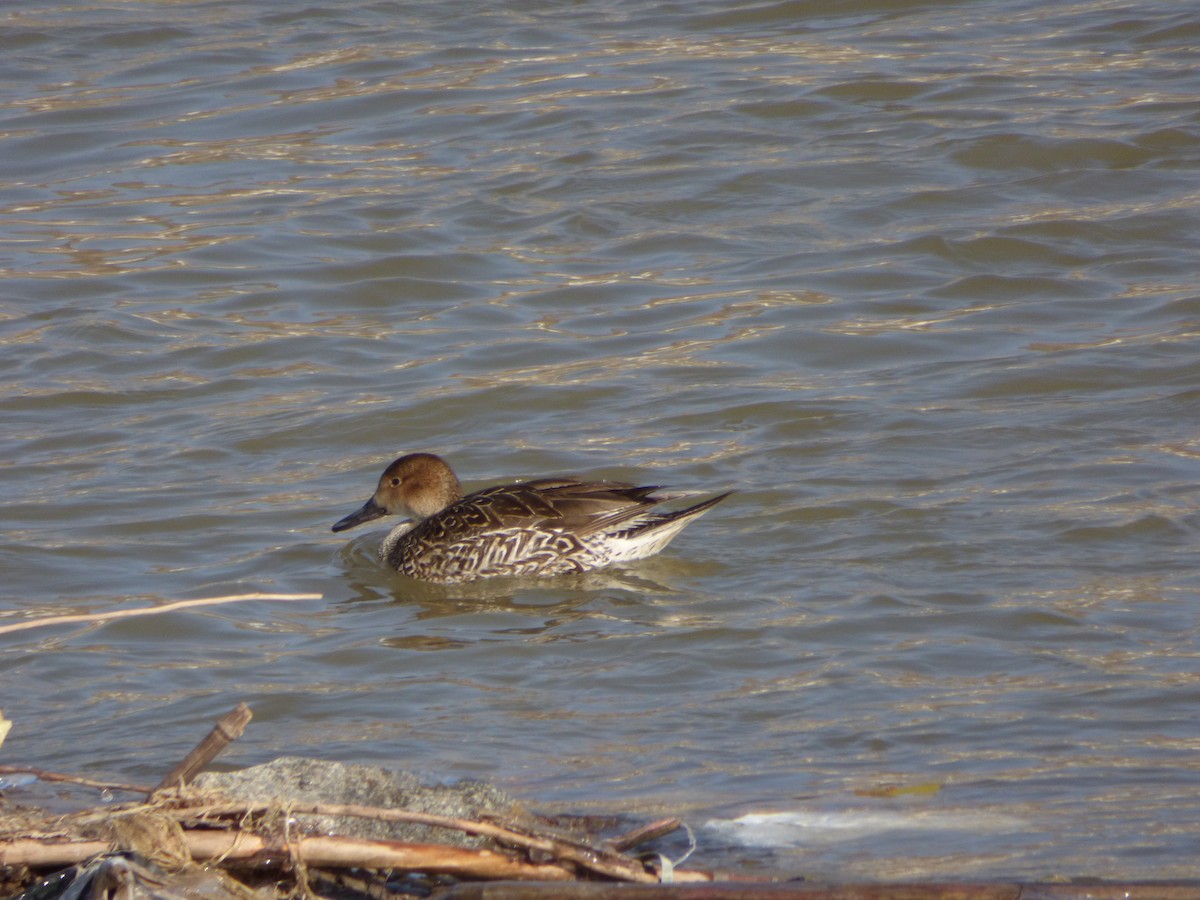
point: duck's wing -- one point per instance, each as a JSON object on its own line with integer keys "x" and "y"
{"x": 562, "y": 504}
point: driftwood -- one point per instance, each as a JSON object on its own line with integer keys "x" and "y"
{"x": 326, "y": 852}
{"x": 571, "y": 855}
{"x": 598, "y": 860}
{"x": 227, "y": 730}
{"x": 565, "y": 857}
{"x": 175, "y": 827}
{"x": 357, "y": 853}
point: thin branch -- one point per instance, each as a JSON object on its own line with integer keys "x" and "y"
{"x": 643, "y": 834}
{"x": 43, "y": 775}
{"x": 149, "y": 611}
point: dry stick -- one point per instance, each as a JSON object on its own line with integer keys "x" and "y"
{"x": 150, "y": 610}
{"x": 43, "y": 775}
{"x": 343, "y": 852}
{"x": 227, "y": 730}
{"x": 49, "y": 854}
{"x": 598, "y": 860}
{"x": 643, "y": 834}
{"x": 332, "y": 852}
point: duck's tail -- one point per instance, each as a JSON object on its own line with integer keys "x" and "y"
{"x": 650, "y": 533}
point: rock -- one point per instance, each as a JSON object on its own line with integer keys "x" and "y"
{"x": 300, "y": 780}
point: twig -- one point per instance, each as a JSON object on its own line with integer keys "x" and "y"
{"x": 643, "y": 834}
{"x": 227, "y": 730}
{"x": 43, "y": 775}
{"x": 150, "y": 610}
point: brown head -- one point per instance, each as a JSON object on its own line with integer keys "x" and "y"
{"x": 417, "y": 485}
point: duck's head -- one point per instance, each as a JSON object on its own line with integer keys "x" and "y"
{"x": 418, "y": 485}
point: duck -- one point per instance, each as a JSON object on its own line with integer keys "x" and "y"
{"x": 547, "y": 526}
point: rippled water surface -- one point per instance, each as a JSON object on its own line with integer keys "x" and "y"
{"x": 917, "y": 279}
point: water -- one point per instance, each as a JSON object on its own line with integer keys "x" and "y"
{"x": 917, "y": 280}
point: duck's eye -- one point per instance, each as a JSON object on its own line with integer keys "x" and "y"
{"x": 395, "y": 482}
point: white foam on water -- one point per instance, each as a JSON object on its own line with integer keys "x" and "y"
{"x": 798, "y": 828}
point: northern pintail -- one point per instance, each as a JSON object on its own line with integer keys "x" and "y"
{"x": 550, "y": 526}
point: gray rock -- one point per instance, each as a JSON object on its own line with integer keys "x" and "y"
{"x": 301, "y": 780}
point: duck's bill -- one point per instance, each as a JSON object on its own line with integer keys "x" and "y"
{"x": 369, "y": 512}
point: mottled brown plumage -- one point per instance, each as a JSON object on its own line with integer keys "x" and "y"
{"x": 550, "y": 526}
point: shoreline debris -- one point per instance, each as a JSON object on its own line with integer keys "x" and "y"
{"x": 287, "y": 829}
